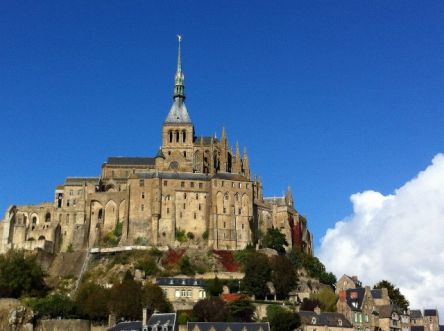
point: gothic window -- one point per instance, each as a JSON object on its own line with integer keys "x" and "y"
{"x": 171, "y": 136}
{"x": 48, "y": 217}
{"x": 200, "y": 206}
{"x": 184, "y": 154}
{"x": 100, "y": 216}
{"x": 184, "y": 136}
{"x": 177, "y": 136}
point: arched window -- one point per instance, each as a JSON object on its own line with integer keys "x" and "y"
{"x": 171, "y": 136}
{"x": 34, "y": 220}
{"x": 100, "y": 216}
{"x": 48, "y": 217}
{"x": 177, "y": 136}
{"x": 42, "y": 238}
{"x": 184, "y": 136}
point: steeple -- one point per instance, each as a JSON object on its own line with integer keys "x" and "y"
{"x": 178, "y": 113}
{"x": 179, "y": 87}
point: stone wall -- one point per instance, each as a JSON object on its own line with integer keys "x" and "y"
{"x": 63, "y": 325}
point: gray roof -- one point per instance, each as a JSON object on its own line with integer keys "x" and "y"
{"x": 222, "y": 326}
{"x": 376, "y": 293}
{"x": 441, "y": 328}
{"x": 173, "y": 281}
{"x": 167, "y": 319}
{"x": 76, "y": 181}
{"x": 124, "y": 160}
{"x": 127, "y": 326}
{"x": 178, "y": 113}
{"x": 230, "y": 176}
{"x": 324, "y": 319}
{"x": 415, "y": 313}
{"x": 430, "y": 312}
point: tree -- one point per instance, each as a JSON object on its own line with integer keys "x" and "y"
{"x": 154, "y": 298}
{"x": 285, "y": 321}
{"x": 126, "y": 299}
{"x": 20, "y": 275}
{"x": 93, "y": 301}
{"x": 283, "y": 276}
{"x": 394, "y": 293}
{"x": 275, "y": 239}
{"x": 257, "y": 274}
{"x": 210, "y": 310}
{"x": 55, "y": 306}
{"x": 282, "y": 319}
{"x": 185, "y": 266}
{"x": 214, "y": 287}
{"x": 327, "y": 299}
{"x": 241, "y": 310}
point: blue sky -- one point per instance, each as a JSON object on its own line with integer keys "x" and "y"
{"x": 330, "y": 97}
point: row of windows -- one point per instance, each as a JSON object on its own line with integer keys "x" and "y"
{"x": 233, "y": 184}
{"x": 176, "y": 135}
{"x": 184, "y": 293}
{"x": 72, "y": 192}
{"x": 357, "y": 317}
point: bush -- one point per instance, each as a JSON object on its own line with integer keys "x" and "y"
{"x": 20, "y": 274}
{"x": 190, "y": 235}
{"x": 148, "y": 265}
{"x": 141, "y": 241}
{"x": 55, "y": 306}
{"x": 180, "y": 235}
{"x": 183, "y": 318}
{"x": 185, "y": 266}
{"x": 205, "y": 235}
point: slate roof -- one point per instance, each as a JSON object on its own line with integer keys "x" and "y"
{"x": 415, "y": 313}
{"x": 127, "y": 326}
{"x": 125, "y": 160}
{"x": 441, "y": 328}
{"x": 173, "y": 281}
{"x": 417, "y": 328}
{"x": 223, "y": 326}
{"x": 76, "y": 181}
{"x": 229, "y": 176}
{"x": 430, "y": 312}
{"x": 376, "y": 293}
{"x": 324, "y": 319}
{"x": 167, "y": 319}
{"x": 178, "y": 113}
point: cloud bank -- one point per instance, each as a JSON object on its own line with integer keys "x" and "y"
{"x": 398, "y": 237}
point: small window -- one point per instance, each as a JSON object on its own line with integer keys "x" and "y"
{"x": 141, "y": 183}
{"x": 182, "y": 184}
{"x": 180, "y": 215}
{"x": 222, "y": 184}
{"x": 74, "y": 202}
{"x": 225, "y": 225}
{"x": 142, "y": 207}
{"x": 192, "y": 184}
{"x": 169, "y": 152}
{"x": 189, "y": 293}
{"x": 165, "y": 183}
{"x": 232, "y": 184}
{"x": 71, "y": 192}
{"x": 67, "y": 203}
{"x": 313, "y": 320}
{"x": 225, "y": 210}
{"x": 194, "y": 215}
{"x": 242, "y": 226}
{"x": 168, "y": 210}
{"x": 239, "y": 211}
{"x": 200, "y": 185}
{"x": 215, "y": 183}
{"x": 184, "y": 206}
{"x": 240, "y": 185}
{"x": 143, "y": 195}
{"x": 184, "y": 195}
{"x": 200, "y": 206}
{"x": 184, "y": 154}
{"x": 197, "y": 196}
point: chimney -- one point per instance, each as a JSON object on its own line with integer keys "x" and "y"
{"x": 385, "y": 295}
{"x": 354, "y": 279}
{"x": 317, "y": 310}
{"x": 111, "y": 320}
{"x": 144, "y": 316}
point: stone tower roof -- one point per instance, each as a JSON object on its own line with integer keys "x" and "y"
{"x": 178, "y": 113}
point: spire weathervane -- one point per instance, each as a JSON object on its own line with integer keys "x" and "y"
{"x": 179, "y": 88}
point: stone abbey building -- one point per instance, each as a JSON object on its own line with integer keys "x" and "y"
{"x": 196, "y": 184}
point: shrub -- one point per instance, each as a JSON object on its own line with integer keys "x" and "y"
{"x": 185, "y": 266}
{"x": 183, "y": 318}
{"x": 180, "y": 235}
{"x": 190, "y": 235}
{"x": 141, "y": 241}
{"x": 54, "y": 306}
{"x": 205, "y": 235}
{"x": 148, "y": 265}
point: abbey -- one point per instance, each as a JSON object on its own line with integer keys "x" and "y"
{"x": 195, "y": 184}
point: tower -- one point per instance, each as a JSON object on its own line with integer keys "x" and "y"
{"x": 178, "y": 130}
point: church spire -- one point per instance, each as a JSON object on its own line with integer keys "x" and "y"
{"x": 179, "y": 87}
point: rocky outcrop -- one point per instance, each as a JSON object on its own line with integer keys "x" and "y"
{"x": 14, "y": 316}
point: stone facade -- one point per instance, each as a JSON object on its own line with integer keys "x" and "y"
{"x": 196, "y": 184}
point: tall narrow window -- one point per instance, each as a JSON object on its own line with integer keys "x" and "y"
{"x": 143, "y": 195}
{"x": 184, "y": 136}
{"x": 142, "y": 207}
{"x": 171, "y": 136}
{"x": 177, "y": 136}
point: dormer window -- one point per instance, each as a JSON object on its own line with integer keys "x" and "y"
{"x": 313, "y": 320}
{"x": 340, "y": 322}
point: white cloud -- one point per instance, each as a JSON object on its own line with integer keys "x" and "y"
{"x": 398, "y": 237}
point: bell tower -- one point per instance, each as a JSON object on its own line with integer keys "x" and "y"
{"x": 178, "y": 130}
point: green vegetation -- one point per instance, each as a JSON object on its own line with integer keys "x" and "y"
{"x": 241, "y": 310}
{"x": 20, "y": 275}
{"x": 180, "y": 235}
{"x": 327, "y": 299}
{"x": 394, "y": 293}
{"x": 141, "y": 241}
{"x": 148, "y": 265}
{"x": 276, "y": 240}
{"x": 112, "y": 238}
{"x": 257, "y": 274}
{"x": 281, "y": 319}
{"x": 183, "y": 318}
{"x": 186, "y": 267}
{"x": 205, "y": 235}
{"x": 210, "y": 310}
{"x": 283, "y": 276}
{"x": 314, "y": 267}
{"x": 54, "y": 306}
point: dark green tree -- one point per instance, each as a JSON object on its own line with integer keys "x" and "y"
{"x": 20, "y": 275}
{"x": 241, "y": 310}
{"x": 93, "y": 301}
{"x": 185, "y": 266}
{"x": 394, "y": 293}
{"x": 126, "y": 299}
{"x": 276, "y": 240}
{"x": 310, "y": 304}
{"x": 257, "y": 274}
{"x": 285, "y": 321}
{"x": 55, "y": 306}
{"x": 210, "y": 310}
{"x": 283, "y": 276}
{"x": 214, "y": 287}
{"x": 154, "y": 298}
